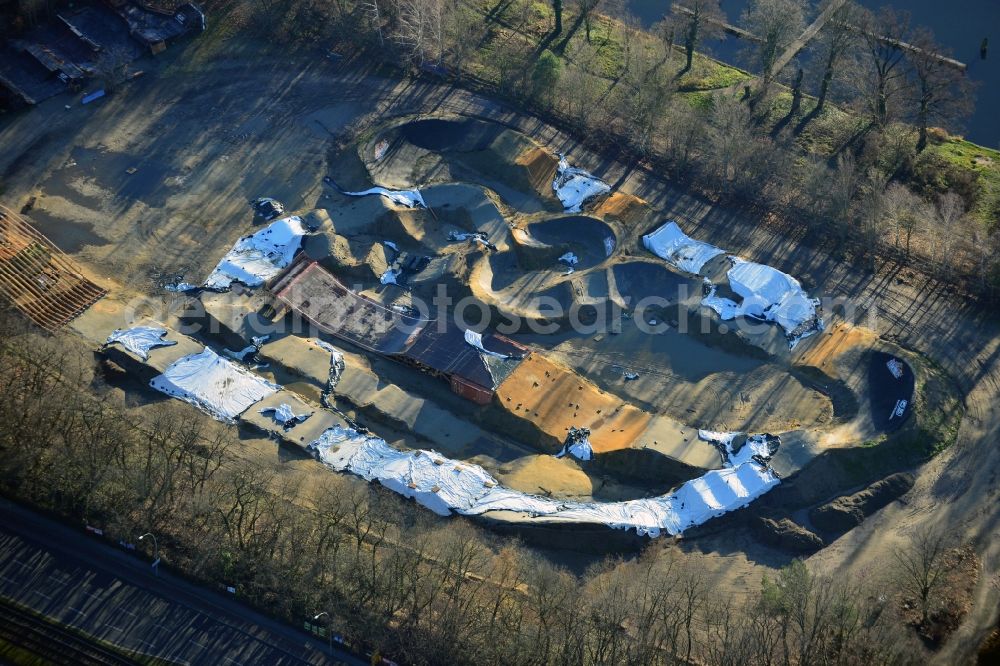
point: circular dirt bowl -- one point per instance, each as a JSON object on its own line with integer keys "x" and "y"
{"x": 590, "y": 239}
{"x": 640, "y": 281}
{"x": 442, "y": 135}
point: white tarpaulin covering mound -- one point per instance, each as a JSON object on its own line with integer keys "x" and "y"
{"x": 678, "y": 249}
{"x": 765, "y": 292}
{"x": 755, "y": 445}
{"x": 443, "y": 485}
{"x": 575, "y": 187}
{"x": 213, "y": 384}
{"x": 140, "y": 339}
{"x": 578, "y": 445}
{"x": 408, "y": 198}
{"x": 283, "y": 414}
{"x": 260, "y": 256}
{"x": 389, "y": 277}
{"x": 770, "y": 295}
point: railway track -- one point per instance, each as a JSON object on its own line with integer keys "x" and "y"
{"x": 51, "y": 643}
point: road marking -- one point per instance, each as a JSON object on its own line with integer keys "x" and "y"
{"x": 76, "y": 610}
{"x": 95, "y": 595}
{"x": 108, "y": 624}
{"x": 202, "y": 646}
{"x": 10, "y": 580}
{"x": 41, "y": 594}
{"x": 128, "y": 612}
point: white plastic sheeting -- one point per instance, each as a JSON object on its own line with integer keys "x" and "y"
{"x": 213, "y": 384}
{"x": 284, "y": 415}
{"x": 581, "y": 450}
{"x": 570, "y": 259}
{"x": 180, "y": 287}
{"x": 476, "y": 340}
{"x": 390, "y": 275}
{"x": 140, "y": 339}
{"x": 770, "y": 295}
{"x": 677, "y": 248}
{"x": 337, "y": 364}
{"x": 260, "y": 256}
{"x": 755, "y": 445}
{"x": 408, "y": 198}
{"x": 444, "y": 485}
{"x": 575, "y": 187}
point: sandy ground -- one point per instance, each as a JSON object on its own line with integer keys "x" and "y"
{"x": 207, "y": 138}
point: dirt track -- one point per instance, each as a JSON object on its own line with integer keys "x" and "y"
{"x": 238, "y": 108}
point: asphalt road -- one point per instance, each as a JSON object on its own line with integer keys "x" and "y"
{"x": 112, "y": 595}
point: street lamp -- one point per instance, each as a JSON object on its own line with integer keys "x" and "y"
{"x": 329, "y": 628}
{"x": 156, "y": 552}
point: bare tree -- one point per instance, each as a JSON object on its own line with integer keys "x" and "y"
{"x": 419, "y": 30}
{"x": 776, "y": 23}
{"x": 698, "y": 20}
{"x": 731, "y": 138}
{"x": 885, "y": 82}
{"x": 987, "y": 246}
{"x": 835, "y": 43}
{"x": 940, "y": 92}
{"x": 872, "y": 213}
{"x": 902, "y": 209}
{"x": 586, "y": 9}
{"x": 686, "y": 135}
{"x": 922, "y": 566}
{"x": 949, "y": 214}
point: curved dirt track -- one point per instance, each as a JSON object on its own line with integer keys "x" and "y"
{"x": 276, "y": 101}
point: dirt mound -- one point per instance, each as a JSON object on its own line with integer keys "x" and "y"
{"x": 630, "y": 210}
{"x": 787, "y": 535}
{"x": 516, "y": 161}
{"x": 849, "y": 511}
{"x": 552, "y": 398}
{"x": 540, "y": 168}
{"x": 330, "y": 247}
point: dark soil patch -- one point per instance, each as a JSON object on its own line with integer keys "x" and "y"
{"x": 639, "y": 280}
{"x": 888, "y": 392}
{"x": 590, "y": 239}
{"x": 461, "y": 136}
{"x": 70, "y": 237}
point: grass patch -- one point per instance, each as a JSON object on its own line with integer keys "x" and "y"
{"x": 702, "y": 101}
{"x": 984, "y": 163}
{"x": 708, "y": 74}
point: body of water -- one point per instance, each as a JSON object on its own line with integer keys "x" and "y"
{"x": 959, "y": 26}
